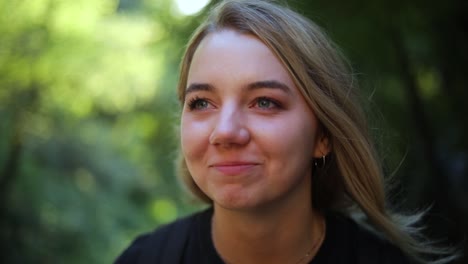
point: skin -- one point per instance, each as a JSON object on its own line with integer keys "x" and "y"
{"x": 248, "y": 138}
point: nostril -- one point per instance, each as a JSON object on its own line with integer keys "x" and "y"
{"x": 228, "y": 136}
{"x": 230, "y": 128}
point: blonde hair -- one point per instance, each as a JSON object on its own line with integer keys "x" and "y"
{"x": 352, "y": 180}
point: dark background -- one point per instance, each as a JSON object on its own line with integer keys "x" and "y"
{"x": 88, "y": 116}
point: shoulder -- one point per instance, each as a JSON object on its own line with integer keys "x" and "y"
{"x": 152, "y": 246}
{"x": 367, "y": 245}
{"x": 133, "y": 252}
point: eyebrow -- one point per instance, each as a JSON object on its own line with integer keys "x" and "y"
{"x": 270, "y": 84}
{"x": 195, "y": 87}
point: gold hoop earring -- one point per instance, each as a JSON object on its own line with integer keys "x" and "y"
{"x": 320, "y": 162}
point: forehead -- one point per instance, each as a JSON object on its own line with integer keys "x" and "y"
{"x": 233, "y": 41}
{"x": 230, "y": 54}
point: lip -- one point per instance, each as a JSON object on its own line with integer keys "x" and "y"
{"x": 234, "y": 167}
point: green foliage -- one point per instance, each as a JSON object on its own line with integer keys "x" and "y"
{"x": 87, "y": 140}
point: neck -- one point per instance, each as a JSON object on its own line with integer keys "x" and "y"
{"x": 284, "y": 235}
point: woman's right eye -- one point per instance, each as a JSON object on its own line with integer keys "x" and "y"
{"x": 198, "y": 104}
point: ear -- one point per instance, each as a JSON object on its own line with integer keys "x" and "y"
{"x": 322, "y": 146}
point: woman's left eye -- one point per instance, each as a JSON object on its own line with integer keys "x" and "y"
{"x": 266, "y": 103}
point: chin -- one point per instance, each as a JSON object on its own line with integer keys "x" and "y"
{"x": 231, "y": 200}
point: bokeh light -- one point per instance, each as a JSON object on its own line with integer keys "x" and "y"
{"x": 190, "y": 7}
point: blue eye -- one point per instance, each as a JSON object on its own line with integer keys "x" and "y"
{"x": 198, "y": 104}
{"x": 266, "y": 103}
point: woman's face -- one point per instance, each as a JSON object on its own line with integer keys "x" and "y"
{"x": 247, "y": 134}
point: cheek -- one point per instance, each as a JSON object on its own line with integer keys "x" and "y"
{"x": 291, "y": 136}
{"x": 193, "y": 138}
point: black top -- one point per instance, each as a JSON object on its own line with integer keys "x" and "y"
{"x": 189, "y": 241}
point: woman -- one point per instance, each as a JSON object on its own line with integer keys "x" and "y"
{"x": 273, "y": 138}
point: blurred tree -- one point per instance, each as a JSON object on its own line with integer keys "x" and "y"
{"x": 86, "y": 136}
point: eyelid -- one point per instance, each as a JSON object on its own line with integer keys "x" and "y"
{"x": 191, "y": 103}
{"x": 276, "y": 103}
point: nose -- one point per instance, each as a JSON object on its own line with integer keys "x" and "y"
{"x": 230, "y": 129}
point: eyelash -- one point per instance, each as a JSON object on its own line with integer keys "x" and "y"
{"x": 192, "y": 103}
{"x": 275, "y": 103}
